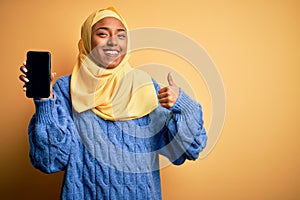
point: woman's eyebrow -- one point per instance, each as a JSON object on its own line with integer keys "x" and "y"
{"x": 102, "y": 28}
{"x": 120, "y": 29}
{"x": 107, "y": 29}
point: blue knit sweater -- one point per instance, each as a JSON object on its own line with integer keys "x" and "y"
{"x": 112, "y": 160}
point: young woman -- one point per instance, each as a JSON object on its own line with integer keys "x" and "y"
{"x": 107, "y": 123}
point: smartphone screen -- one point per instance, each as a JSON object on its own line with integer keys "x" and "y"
{"x": 38, "y": 66}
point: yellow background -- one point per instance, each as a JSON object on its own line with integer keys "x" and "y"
{"x": 255, "y": 45}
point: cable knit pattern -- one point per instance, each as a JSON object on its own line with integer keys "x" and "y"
{"x": 112, "y": 160}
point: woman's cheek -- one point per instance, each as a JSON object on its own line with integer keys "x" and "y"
{"x": 97, "y": 41}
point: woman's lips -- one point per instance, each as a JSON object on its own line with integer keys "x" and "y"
{"x": 111, "y": 52}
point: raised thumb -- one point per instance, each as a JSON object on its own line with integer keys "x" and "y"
{"x": 170, "y": 80}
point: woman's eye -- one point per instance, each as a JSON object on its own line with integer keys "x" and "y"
{"x": 102, "y": 34}
{"x": 121, "y": 36}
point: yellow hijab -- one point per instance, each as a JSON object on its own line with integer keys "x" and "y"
{"x": 121, "y": 93}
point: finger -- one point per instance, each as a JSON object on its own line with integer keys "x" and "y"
{"x": 167, "y": 89}
{"x": 170, "y": 80}
{"x": 162, "y": 90}
{"x": 23, "y": 78}
{"x": 164, "y": 100}
{"x": 168, "y": 99}
{"x": 24, "y": 88}
{"x": 53, "y": 75}
{"x": 166, "y": 105}
{"x": 162, "y": 95}
{"x": 23, "y": 69}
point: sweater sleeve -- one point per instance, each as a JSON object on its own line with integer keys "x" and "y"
{"x": 184, "y": 135}
{"x": 50, "y": 131}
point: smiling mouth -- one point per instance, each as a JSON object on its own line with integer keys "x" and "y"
{"x": 110, "y": 52}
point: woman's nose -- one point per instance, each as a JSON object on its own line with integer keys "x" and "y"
{"x": 112, "y": 41}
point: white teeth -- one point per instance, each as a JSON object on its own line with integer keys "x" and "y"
{"x": 112, "y": 52}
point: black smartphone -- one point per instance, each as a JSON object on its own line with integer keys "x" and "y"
{"x": 38, "y": 64}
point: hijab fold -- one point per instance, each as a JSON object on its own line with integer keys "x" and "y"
{"x": 120, "y": 93}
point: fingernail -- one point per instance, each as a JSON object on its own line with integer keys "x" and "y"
{"x": 25, "y": 70}
{"x": 24, "y": 89}
{"x": 26, "y": 80}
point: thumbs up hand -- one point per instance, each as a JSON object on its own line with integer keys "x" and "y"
{"x": 168, "y": 95}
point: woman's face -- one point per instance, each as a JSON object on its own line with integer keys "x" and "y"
{"x": 109, "y": 42}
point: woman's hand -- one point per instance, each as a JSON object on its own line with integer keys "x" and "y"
{"x": 168, "y": 95}
{"x": 25, "y": 80}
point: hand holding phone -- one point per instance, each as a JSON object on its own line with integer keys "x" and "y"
{"x": 38, "y": 65}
